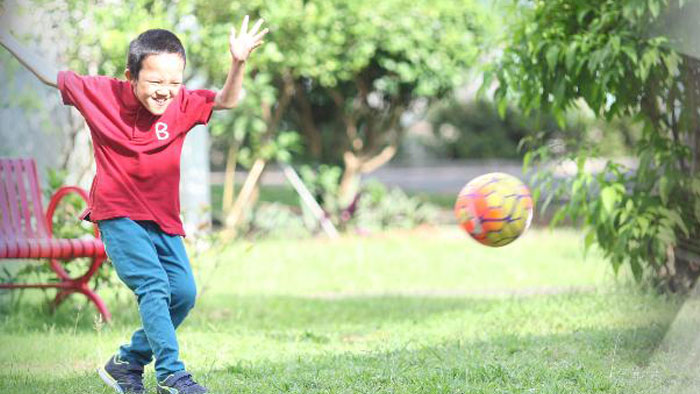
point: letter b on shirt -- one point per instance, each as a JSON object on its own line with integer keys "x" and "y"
{"x": 162, "y": 131}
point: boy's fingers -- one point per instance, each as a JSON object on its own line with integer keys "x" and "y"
{"x": 244, "y": 25}
{"x": 233, "y": 32}
{"x": 256, "y": 27}
{"x": 259, "y": 36}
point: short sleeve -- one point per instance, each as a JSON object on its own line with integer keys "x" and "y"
{"x": 199, "y": 105}
{"x": 77, "y": 89}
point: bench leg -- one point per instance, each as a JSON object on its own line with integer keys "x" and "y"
{"x": 63, "y": 293}
{"x": 80, "y": 285}
{"x": 99, "y": 304}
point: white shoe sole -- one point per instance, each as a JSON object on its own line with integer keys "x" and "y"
{"x": 109, "y": 380}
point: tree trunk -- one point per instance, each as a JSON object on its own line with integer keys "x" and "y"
{"x": 350, "y": 182}
{"x": 309, "y": 129}
{"x": 244, "y": 197}
{"x": 355, "y": 167}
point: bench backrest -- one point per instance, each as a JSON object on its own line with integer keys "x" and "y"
{"x": 21, "y": 210}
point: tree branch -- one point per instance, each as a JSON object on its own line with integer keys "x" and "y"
{"x": 379, "y": 160}
{"x": 307, "y": 121}
{"x": 349, "y": 121}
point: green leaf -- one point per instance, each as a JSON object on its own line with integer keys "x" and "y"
{"x": 558, "y": 217}
{"x": 609, "y": 197}
{"x": 631, "y": 54}
{"x": 676, "y": 219}
{"x": 552, "y": 57}
{"x": 536, "y": 194}
{"x": 502, "y": 107}
{"x": 695, "y": 186}
{"x": 664, "y": 189}
{"x": 667, "y": 236}
{"x": 643, "y": 224}
{"x": 582, "y": 14}
{"x": 590, "y": 238}
{"x": 654, "y": 8}
{"x": 527, "y": 158}
{"x": 571, "y": 57}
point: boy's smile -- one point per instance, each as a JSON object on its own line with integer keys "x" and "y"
{"x": 158, "y": 82}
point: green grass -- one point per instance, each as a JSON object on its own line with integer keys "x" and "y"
{"x": 424, "y": 311}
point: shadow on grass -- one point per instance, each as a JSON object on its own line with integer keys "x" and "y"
{"x": 589, "y": 360}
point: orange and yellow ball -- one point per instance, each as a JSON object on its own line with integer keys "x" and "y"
{"x": 495, "y": 208}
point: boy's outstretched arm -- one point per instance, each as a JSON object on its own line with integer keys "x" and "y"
{"x": 45, "y": 72}
{"x": 241, "y": 46}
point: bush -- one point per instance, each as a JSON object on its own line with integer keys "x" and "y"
{"x": 381, "y": 208}
{"x": 275, "y": 220}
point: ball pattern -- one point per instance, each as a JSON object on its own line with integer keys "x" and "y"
{"x": 495, "y": 209}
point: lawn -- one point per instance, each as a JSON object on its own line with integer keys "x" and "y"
{"x": 421, "y": 311}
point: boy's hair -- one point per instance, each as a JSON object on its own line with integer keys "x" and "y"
{"x": 152, "y": 42}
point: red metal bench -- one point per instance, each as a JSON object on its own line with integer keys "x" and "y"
{"x": 26, "y": 232}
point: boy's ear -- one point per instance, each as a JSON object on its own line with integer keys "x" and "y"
{"x": 128, "y": 75}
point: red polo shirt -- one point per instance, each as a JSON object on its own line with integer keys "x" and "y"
{"x": 137, "y": 153}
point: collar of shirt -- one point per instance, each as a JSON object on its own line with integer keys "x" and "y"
{"x": 131, "y": 103}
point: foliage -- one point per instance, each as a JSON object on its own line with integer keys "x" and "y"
{"x": 323, "y": 184}
{"x": 475, "y": 130}
{"x": 342, "y": 73}
{"x": 373, "y": 208}
{"x": 274, "y": 220}
{"x": 380, "y": 208}
{"x": 601, "y": 52}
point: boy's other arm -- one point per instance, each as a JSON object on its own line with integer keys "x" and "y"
{"x": 241, "y": 46}
{"x": 45, "y": 72}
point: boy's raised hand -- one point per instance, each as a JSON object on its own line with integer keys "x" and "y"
{"x": 245, "y": 42}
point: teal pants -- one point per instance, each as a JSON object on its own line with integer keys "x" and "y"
{"x": 154, "y": 265}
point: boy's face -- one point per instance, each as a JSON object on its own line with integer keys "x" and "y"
{"x": 158, "y": 82}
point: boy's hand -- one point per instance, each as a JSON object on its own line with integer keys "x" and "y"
{"x": 242, "y": 45}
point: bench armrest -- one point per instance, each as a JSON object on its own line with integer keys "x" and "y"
{"x": 57, "y": 197}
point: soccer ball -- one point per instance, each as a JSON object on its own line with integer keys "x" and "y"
{"x": 495, "y": 209}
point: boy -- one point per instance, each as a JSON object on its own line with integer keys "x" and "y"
{"x": 137, "y": 128}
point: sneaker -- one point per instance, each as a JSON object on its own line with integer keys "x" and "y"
{"x": 122, "y": 376}
{"x": 180, "y": 383}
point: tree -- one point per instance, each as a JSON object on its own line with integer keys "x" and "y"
{"x": 343, "y": 73}
{"x": 601, "y": 52}
{"x": 394, "y": 56}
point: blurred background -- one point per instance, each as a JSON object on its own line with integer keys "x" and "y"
{"x": 384, "y": 110}
{"x": 414, "y": 99}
